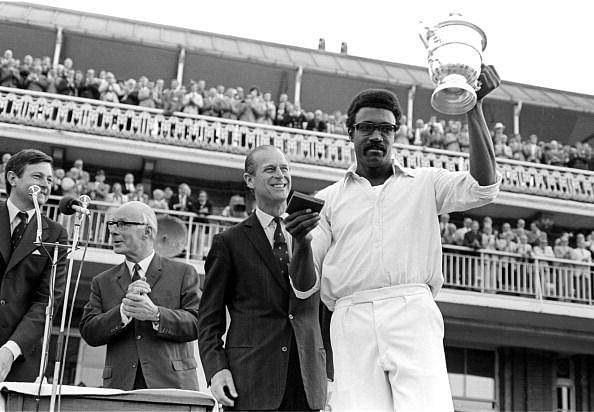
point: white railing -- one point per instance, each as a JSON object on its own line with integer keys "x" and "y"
{"x": 202, "y": 132}
{"x": 491, "y": 271}
{"x": 199, "y": 230}
{"x": 485, "y": 271}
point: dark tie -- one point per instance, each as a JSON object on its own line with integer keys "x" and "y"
{"x": 135, "y": 275}
{"x": 280, "y": 250}
{"x": 18, "y": 231}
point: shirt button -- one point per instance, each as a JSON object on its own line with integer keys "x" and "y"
{"x": 291, "y": 316}
{"x": 138, "y": 337}
{"x": 133, "y": 365}
{"x": 284, "y": 349}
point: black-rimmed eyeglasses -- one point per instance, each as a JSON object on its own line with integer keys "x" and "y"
{"x": 367, "y": 128}
{"x": 122, "y": 224}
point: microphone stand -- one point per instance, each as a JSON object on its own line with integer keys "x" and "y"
{"x": 49, "y": 310}
{"x": 79, "y": 219}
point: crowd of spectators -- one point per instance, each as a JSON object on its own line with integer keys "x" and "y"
{"x": 258, "y": 106}
{"x": 528, "y": 242}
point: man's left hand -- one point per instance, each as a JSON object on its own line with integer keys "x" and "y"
{"x": 140, "y": 306}
{"x": 6, "y": 359}
{"x": 300, "y": 224}
{"x": 489, "y": 80}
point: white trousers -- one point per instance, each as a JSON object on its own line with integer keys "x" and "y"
{"x": 388, "y": 352}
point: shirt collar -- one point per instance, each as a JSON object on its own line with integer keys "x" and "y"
{"x": 396, "y": 167}
{"x": 13, "y": 211}
{"x": 144, "y": 264}
{"x": 264, "y": 218}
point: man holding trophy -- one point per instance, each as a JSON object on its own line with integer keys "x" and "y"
{"x": 377, "y": 249}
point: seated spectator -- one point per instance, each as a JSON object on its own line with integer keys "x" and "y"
{"x": 129, "y": 93}
{"x": 89, "y": 86}
{"x": 59, "y": 175}
{"x": 98, "y": 189}
{"x": 515, "y": 146}
{"x": 532, "y": 151}
{"x": 168, "y": 193}
{"x": 158, "y": 201}
{"x": 487, "y": 222}
{"x": 69, "y": 187}
{"x": 447, "y": 237}
{"x": 192, "y": 101}
{"x": 297, "y": 116}
{"x": 236, "y": 208}
{"x": 317, "y": 124}
{"x": 402, "y": 135}
{"x": 563, "y": 250}
{"x": 270, "y": 108}
{"x": 451, "y": 139}
{"x": 581, "y": 252}
{"x": 210, "y": 105}
{"x": 228, "y": 104}
{"x": 524, "y": 248}
{"x": 473, "y": 237}
{"x": 5, "y": 158}
{"x": 459, "y": 236}
{"x": 502, "y": 150}
{"x": 66, "y": 84}
{"x": 435, "y": 133}
{"x": 183, "y": 201}
{"x": 173, "y": 98}
{"x": 139, "y": 195}
{"x": 203, "y": 206}
{"x": 419, "y": 134}
{"x": 498, "y": 132}
{"x": 543, "y": 249}
{"x": 116, "y": 195}
{"x": 488, "y": 238}
{"x": 36, "y": 81}
{"x": 506, "y": 239}
{"x": 534, "y": 234}
{"x": 129, "y": 186}
{"x": 110, "y": 90}
{"x": 10, "y": 76}
{"x": 520, "y": 228}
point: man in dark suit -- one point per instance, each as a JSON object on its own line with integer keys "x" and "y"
{"x": 273, "y": 357}
{"x": 145, "y": 310}
{"x": 25, "y": 269}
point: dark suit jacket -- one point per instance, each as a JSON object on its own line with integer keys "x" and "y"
{"x": 167, "y": 355}
{"x": 24, "y": 291}
{"x": 243, "y": 276}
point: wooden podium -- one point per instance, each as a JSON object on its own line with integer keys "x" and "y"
{"x": 19, "y": 397}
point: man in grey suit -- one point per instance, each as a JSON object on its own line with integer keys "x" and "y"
{"x": 145, "y": 310}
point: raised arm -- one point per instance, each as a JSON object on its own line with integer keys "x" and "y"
{"x": 482, "y": 155}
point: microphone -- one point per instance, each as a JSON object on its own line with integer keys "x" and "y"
{"x": 34, "y": 191}
{"x": 69, "y": 205}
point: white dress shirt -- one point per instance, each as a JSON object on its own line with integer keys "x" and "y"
{"x": 370, "y": 238}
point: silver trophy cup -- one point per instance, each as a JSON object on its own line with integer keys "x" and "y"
{"x": 454, "y": 53}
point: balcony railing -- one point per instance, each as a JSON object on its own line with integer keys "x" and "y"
{"x": 133, "y": 122}
{"x": 483, "y": 271}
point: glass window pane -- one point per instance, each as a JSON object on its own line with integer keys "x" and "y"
{"x": 480, "y": 387}
{"x": 455, "y": 359}
{"x": 480, "y": 363}
{"x": 456, "y": 384}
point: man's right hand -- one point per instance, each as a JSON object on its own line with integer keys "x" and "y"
{"x": 220, "y": 381}
{"x": 6, "y": 359}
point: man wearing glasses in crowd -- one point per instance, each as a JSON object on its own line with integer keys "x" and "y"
{"x": 377, "y": 253}
{"x": 145, "y": 309}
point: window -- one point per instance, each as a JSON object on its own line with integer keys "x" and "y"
{"x": 564, "y": 389}
{"x": 472, "y": 378}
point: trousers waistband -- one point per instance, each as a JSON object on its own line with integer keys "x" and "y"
{"x": 389, "y": 292}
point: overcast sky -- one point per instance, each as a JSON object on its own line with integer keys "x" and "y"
{"x": 544, "y": 43}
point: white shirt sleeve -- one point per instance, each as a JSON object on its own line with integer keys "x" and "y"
{"x": 14, "y": 348}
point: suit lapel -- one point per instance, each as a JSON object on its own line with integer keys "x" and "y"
{"x": 5, "y": 235}
{"x": 257, "y": 237}
{"x": 123, "y": 277}
{"x": 154, "y": 271}
{"x": 26, "y": 245}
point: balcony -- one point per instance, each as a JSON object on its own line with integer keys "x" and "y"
{"x": 223, "y": 143}
{"x": 482, "y": 271}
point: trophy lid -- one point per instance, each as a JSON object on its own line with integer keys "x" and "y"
{"x": 457, "y": 18}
